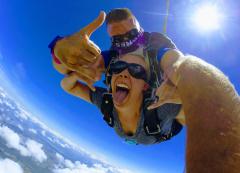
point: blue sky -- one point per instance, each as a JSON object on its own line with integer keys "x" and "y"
{"x": 27, "y": 27}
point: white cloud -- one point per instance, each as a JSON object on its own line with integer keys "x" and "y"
{"x": 60, "y": 142}
{"x": 9, "y": 166}
{"x": 60, "y": 158}
{"x": 28, "y": 148}
{"x": 36, "y": 151}
{"x": 67, "y": 166}
{"x": 96, "y": 168}
{"x": 22, "y": 114}
{"x": 43, "y": 132}
{"x": 20, "y": 127}
{"x": 12, "y": 138}
{"x": 56, "y": 137}
{"x": 2, "y": 93}
{"x": 32, "y": 130}
{"x": 31, "y": 148}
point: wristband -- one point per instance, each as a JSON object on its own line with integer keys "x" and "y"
{"x": 55, "y": 59}
{"x": 53, "y": 42}
{"x": 51, "y": 47}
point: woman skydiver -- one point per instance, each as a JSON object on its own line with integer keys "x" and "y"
{"x": 128, "y": 86}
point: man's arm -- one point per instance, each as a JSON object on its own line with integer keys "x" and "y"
{"x": 212, "y": 109}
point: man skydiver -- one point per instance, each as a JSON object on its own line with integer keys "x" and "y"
{"x": 210, "y": 102}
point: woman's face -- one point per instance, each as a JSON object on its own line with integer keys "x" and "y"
{"x": 128, "y": 91}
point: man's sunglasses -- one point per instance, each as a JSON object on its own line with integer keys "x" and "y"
{"x": 135, "y": 70}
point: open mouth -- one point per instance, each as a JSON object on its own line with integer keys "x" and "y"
{"x": 121, "y": 93}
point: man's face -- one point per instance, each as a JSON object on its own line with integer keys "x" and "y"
{"x": 119, "y": 28}
{"x": 128, "y": 91}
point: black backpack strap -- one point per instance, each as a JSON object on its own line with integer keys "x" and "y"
{"x": 159, "y": 41}
{"x": 175, "y": 129}
{"x": 152, "y": 126}
{"x": 107, "y": 109}
{"x": 151, "y": 122}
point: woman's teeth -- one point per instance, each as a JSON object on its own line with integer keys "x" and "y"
{"x": 122, "y": 86}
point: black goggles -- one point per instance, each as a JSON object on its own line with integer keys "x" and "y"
{"x": 130, "y": 35}
{"x": 135, "y": 70}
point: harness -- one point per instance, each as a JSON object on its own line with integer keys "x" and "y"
{"x": 152, "y": 124}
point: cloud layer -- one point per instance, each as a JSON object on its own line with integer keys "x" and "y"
{"x": 23, "y": 132}
{"x": 67, "y": 166}
{"x": 28, "y": 147}
{"x": 9, "y": 166}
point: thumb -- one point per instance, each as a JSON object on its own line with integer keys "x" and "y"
{"x": 90, "y": 28}
{"x": 155, "y": 104}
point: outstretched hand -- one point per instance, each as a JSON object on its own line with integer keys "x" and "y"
{"x": 167, "y": 93}
{"x": 78, "y": 53}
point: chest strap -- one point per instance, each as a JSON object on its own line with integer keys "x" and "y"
{"x": 107, "y": 109}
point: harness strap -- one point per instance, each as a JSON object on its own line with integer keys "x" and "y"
{"x": 151, "y": 122}
{"x": 175, "y": 129}
{"x": 107, "y": 109}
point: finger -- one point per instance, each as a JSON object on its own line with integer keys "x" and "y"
{"x": 90, "y": 85}
{"x": 161, "y": 91}
{"x": 93, "y": 48}
{"x": 86, "y": 58}
{"x": 90, "y": 28}
{"x": 79, "y": 55}
{"x": 77, "y": 64}
{"x": 87, "y": 72}
{"x": 155, "y": 105}
{"x": 164, "y": 101}
{"x": 87, "y": 81}
{"x": 167, "y": 93}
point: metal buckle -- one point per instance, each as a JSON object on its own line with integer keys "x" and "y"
{"x": 110, "y": 121}
{"x": 154, "y": 133}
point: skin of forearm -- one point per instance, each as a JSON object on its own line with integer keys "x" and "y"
{"x": 60, "y": 68}
{"x": 68, "y": 82}
{"x": 71, "y": 85}
{"x": 212, "y": 110}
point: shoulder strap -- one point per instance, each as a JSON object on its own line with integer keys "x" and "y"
{"x": 158, "y": 40}
{"x": 151, "y": 123}
{"x": 152, "y": 126}
{"x": 107, "y": 109}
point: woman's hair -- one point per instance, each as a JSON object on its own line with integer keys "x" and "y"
{"x": 118, "y": 14}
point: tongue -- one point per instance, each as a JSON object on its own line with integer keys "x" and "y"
{"x": 119, "y": 96}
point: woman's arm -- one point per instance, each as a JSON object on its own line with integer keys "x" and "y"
{"x": 212, "y": 110}
{"x": 60, "y": 68}
{"x": 72, "y": 86}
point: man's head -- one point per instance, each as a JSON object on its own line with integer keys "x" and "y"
{"x": 120, "y": 20}
{"x": 129, "y": 84}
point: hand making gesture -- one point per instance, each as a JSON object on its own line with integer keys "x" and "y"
{"x": 78, "y": 53}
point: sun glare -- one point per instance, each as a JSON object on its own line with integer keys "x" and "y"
{"x": 207, "y": 18}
